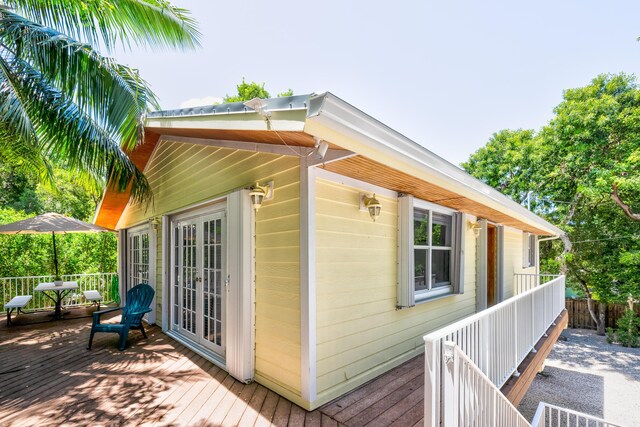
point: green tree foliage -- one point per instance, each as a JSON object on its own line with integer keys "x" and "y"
{"x": 65, "y": 104}
{"x": 31, "y": 255}
{"x": 572, "y": 166}
{"x": 247, "y": 91}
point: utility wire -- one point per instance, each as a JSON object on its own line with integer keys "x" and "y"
{"x": 633, "y": 236}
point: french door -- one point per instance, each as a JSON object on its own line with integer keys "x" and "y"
{"x": 198, "y": 279}
{"x": 139, "y": 262}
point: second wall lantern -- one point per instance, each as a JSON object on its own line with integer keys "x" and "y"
{"x": 371, "y": 204}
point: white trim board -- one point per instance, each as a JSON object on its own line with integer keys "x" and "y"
{"x": 355, "y": 183}
{"x": 331, "y": 118}
{"x": 308, "y": 339}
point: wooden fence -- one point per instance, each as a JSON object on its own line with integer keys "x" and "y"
{"x": 579, "y": 316}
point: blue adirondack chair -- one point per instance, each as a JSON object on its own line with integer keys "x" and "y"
{"x": 139, "y": 300}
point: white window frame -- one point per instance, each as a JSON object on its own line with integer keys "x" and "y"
{"x": 407, "y": 295}
{"x": 431, "y": 292}
{"x": 529, "y": 248}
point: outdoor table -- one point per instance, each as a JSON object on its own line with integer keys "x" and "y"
{"x": 57, "y": 294}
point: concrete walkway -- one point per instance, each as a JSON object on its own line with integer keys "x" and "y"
{"x": 586, "y": 374}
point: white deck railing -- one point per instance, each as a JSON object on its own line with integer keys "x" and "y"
{"x": 496, "y": 340}
{"x": 553, "y": 416}
{"x": 473, "y": 400}
{"x": 12, "y": 286}
{"x": 526, "y": 282}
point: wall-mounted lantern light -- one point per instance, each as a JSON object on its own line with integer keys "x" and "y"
{"x": 370, "y": 204}
{"x": 476, "y": 227}
{"x": 260, "y": 193}
{"x": 155, "y": 222}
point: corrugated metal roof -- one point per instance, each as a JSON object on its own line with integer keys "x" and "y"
{"x": 296, "y": 102}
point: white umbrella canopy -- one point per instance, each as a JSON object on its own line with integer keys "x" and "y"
{"x": 51, "y": 223}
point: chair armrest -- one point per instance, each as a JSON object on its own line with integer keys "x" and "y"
{"x": 135, "y": 313}
{"x": 96, "y": 314}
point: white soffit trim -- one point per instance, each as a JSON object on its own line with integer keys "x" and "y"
{"x": 355, "y": 183}
{"x": 333, "y": 119}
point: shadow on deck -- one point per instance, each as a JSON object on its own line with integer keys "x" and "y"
{"x": 47, "y": 377}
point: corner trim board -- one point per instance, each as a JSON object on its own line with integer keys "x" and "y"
{"x": 308, "y": 339}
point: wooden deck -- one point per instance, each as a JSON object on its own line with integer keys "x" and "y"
{"x": 47, "y": 377}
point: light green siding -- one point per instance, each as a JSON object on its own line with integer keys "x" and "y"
{"x": 513, "y": 247}
{"x": 182, "y": 175}
{"x": 360, "y": 334}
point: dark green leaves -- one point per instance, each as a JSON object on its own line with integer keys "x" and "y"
{"x": 63, "y": 102}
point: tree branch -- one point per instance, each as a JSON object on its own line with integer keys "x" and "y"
{"x": 625, "y": 208}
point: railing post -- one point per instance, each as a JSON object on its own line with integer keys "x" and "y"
{"x": 533, "y": 324}
{"x": 431, "y": 387}
{"x": 515, "y": 340}
{"x": 450, "y": 380}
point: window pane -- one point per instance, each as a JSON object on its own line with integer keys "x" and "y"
{"x": 440, "y": 268}
{"x": 420, "y": 273}
{"x": 532, "y": 250}
{"x": 420, "y": 227}
{"x": 441, "y": 229}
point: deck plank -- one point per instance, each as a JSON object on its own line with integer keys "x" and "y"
{"x": 47, "y": 377}
{"x": 252, "y": 412}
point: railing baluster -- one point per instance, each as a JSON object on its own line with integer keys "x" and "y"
{"x": 494, "y": 342}
{"x": 24, "y": 285}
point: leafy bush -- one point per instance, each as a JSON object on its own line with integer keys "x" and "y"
{"x": 611, "y": 335}
{"x": 627, "y": 332}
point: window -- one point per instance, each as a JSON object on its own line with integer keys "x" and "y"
{"x": 429, "y": 252}
{"x": 529, "y": 250}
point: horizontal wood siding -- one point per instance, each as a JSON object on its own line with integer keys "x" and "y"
{"x": 513, "y": 241}
{"x": 278, "y": 285}
{"x": 360, "y": 334}
{"x": 182, "y": 175}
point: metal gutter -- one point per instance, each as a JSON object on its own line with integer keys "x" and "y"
{"x": 287, "y": 103}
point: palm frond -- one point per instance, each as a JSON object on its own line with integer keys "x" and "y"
{"x": 112, "y": 94}
{"x": 152, "y": 23}
{"x": 67, "y": 135}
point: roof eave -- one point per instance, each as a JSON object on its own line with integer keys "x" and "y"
{"x": 336, "y": 120}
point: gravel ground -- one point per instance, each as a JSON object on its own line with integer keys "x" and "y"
{"x": 586, "y": 374}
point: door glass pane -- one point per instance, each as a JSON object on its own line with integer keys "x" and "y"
{"x": 176, "y": 274}
{"x": 440, "y": 267}
{"x": 212, "y": 270}
{"x": 188, "y": 278}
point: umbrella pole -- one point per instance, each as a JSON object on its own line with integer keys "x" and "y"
{"x": 55, "y": 254}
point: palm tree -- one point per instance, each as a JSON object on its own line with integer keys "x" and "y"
{"x": 62, "y": 102}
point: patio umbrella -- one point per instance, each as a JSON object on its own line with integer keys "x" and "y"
{"x": 50, "y": 223}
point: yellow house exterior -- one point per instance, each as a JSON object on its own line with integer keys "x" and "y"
{"x": 303, "y": 294}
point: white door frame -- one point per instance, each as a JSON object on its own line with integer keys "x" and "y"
{"x": 151, "y": 280}
{"x": 239, "y": 322}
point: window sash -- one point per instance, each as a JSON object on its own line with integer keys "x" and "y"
{"x": 407, "y": 293}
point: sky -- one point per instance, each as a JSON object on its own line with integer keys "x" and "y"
{"x": 447, "y": 74}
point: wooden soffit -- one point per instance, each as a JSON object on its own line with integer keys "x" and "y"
{"x": 113, "y": 201}
{"x": 376, "y": 173}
